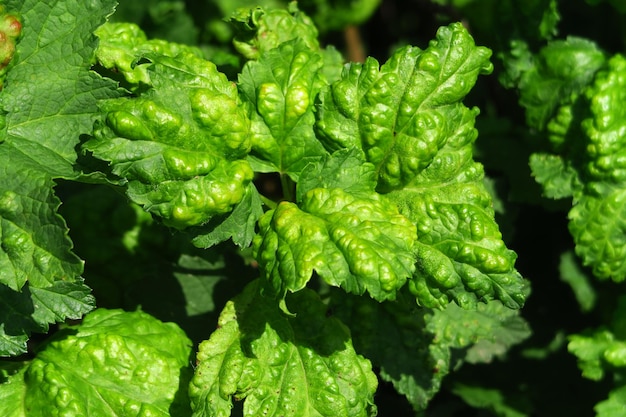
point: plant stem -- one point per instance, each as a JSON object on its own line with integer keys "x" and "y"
{"x": 288, "y": 187}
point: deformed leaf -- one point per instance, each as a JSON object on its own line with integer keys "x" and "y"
{"x": 181, "y": 144}
{"x": 260, "y": 355}
{"x": 33, "y": 237}
{"x": 597, "y": 216}
{"x": 402, "y": 114}
{"x": 345, "y": 169}
{"x": 260, "y": 30}
{"x": 129, "y": 364}
{"x": 360, "y": 244}
{"x": 42, "y": 122}
{"x": 280, "y": 89}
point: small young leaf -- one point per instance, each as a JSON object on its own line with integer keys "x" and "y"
{"x": 265, "y": 357}
{"x": 280, "y": 89}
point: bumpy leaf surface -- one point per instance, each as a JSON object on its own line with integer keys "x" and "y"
{"x": 400, "y": 114}
{"x": 43, "y": 124}
{"x": 280, "y": 89}
{"x": 282, "y": 366}
{"x": 553, "y": 77}
{"x": 408, "y": 119}
{"x": 260, "y": 30}
{"x": 181, "y": 143}
{"x": 597, "y": 217}
{"x": 113, "y": 364}
{"x": 355, "y": 242}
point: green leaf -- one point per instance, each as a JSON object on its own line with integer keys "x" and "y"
{"x": 180, "y": 144}
{"x": 360, "y": 244}
{"x": 265, "y": 357}
{"x": 394, "y": 337}
{"x": 121, "y": 47}
{"x": 554, "y": 77}
{"x": 459, "y": 249}
{"x": 261, "y": 30}
{"x": 614, "y": 405}
{"x": 117, "y": 363}
{"x": 490, "y": 330}
{"x": 12, "y": 394}
{"x": 573, "y": 274}
{"x": 33, "y": 237}
{"x": 591, "y": 352}
{"x": 487, "y": 398}
{"x": 557, "y": 177}
{"x": 45, "y": 119}
{"x": 239, "y": 225}
{"x": 596, "y": 218}
{"x": 32, "y": 309}
{"x": 402, "y": 114}
{"x": 280, "y": 89}
{"x": 336, "y": 15}
{"x": 345, "y": 169}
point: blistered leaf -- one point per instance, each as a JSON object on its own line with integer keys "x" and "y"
{"x": 360, "y": 244}
{"x": 280, "y": 89}
{"x": 42, "y": 123}
{"x": 554, "y": 77}
{"x": 121, "y": 47}
{"x": 180, "y": 144}
{"x": 597, "y": 216}
{"x": 33, "y": 237}
{"x": 116, "y": 363}
{"x": 459, "y": 249}
{"x": 403, "y": 113}
{"x": 261, "y": 30}
{"x": 260, "y": 355}
{"x": 345, "y": 169}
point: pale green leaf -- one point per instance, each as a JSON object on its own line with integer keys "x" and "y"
{"x": 360, "y": 244}
{"x": 264, "y": 357}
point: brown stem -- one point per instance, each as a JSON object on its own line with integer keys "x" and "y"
{"x": 354, "y": 44}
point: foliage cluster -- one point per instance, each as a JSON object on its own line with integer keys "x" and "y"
{"x": 206, "y": 210}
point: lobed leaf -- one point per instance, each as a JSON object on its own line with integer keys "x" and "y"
{"x": 596, "y": 216}
{"x": 117, "y": 363}
{"x": 399, "y": 115}
{"x": 264, "y": 357}
{"x": 180, "y": 144}
{"x": 360, "y": 244}
{"x": 40, "y": 278}
{"x": 554, "y": 77}
{"x": 280, "y": 89}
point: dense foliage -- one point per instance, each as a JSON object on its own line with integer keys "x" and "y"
{"x": 218, "y": 208}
